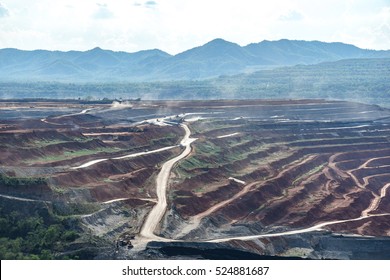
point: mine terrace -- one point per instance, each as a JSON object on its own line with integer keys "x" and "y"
{"x": 265, "y": 177}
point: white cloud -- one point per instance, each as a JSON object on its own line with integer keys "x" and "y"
{"x": 147, "y": 4}
{"x": 3, "y": 11}
{"x": 291, "y": 15}
{"x": 177, "y": 25}
{"x": 369, "y": 30}
{"x": 150, "y": 3}
{"x": 103, "y": 12}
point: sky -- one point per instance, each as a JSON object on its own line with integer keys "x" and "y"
{"x": 177, "y": 25}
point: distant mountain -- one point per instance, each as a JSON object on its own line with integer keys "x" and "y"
{"x": 213, "y": 59}
{"x": 76, "y": 66}
{"x": 363, "y": 80}
{"x": 289, "y": 52}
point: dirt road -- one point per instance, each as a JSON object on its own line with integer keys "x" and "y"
{"x": 158, "y": 211}
{"x": 305, "y": 230}
{"x": 92, "y": 162}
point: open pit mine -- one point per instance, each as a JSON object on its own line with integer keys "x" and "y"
{"x": 250, "y": 179}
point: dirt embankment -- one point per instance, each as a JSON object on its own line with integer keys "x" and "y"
{"x": 113, "y": 179}
{"x": 46, "y": 149}
{"x": 302, "y": 172}
{"x": 296, "y": 164}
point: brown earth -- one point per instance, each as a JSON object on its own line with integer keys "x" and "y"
{"x": 300, "y": 162}
{"x": 318, "y": 176}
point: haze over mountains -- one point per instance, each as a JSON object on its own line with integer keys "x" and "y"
{"x": 213, "y": 59}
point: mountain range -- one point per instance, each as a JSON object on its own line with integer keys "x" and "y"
{"x": 214, "y": 59}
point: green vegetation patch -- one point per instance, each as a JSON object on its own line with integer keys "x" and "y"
{"x": 31, "y": 237}
{"x": 309, "y": 173}
{"x": 169, "y": 139}
{"x": 206, "y": 153}
{"x": 204, "y": 126}
{"x": 72, "y": 154}
{"x": 70, "y": 209}
{"x": 209, "y": 155}
{"x": 200, "y": 161}
{"x": 21, "y": 181}
{"x": 48, "y": 142}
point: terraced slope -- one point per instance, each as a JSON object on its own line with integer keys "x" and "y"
{"x": 258, "y": 172}
{"x": 284, "y": 166}
{"x": 98, "y": 171}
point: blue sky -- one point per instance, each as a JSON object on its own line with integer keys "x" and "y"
{"x": 176, "y": 25}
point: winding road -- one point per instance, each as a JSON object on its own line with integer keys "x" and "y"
{"x": 318, "y": 227}
{"x": 92, "y": 162}
{"x": 155, "y": 216}
{"x": 158, "y": 211}
{"x": 85, "y": 111}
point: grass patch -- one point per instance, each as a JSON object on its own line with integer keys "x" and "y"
{"x": 207, "y": 155}
{"x": 107, "y": 180}
{"x": 21, "y": 181}
{"x": 58, "y": 190}
{"x": 48, "y": 142}
{"x": 169, "y": 139}
{"x": 204, "y": 126}
{"x": 72, "y": 154}
{"x": 309, "y": 173}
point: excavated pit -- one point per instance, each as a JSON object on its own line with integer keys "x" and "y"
{"x": 256, "y": 167}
